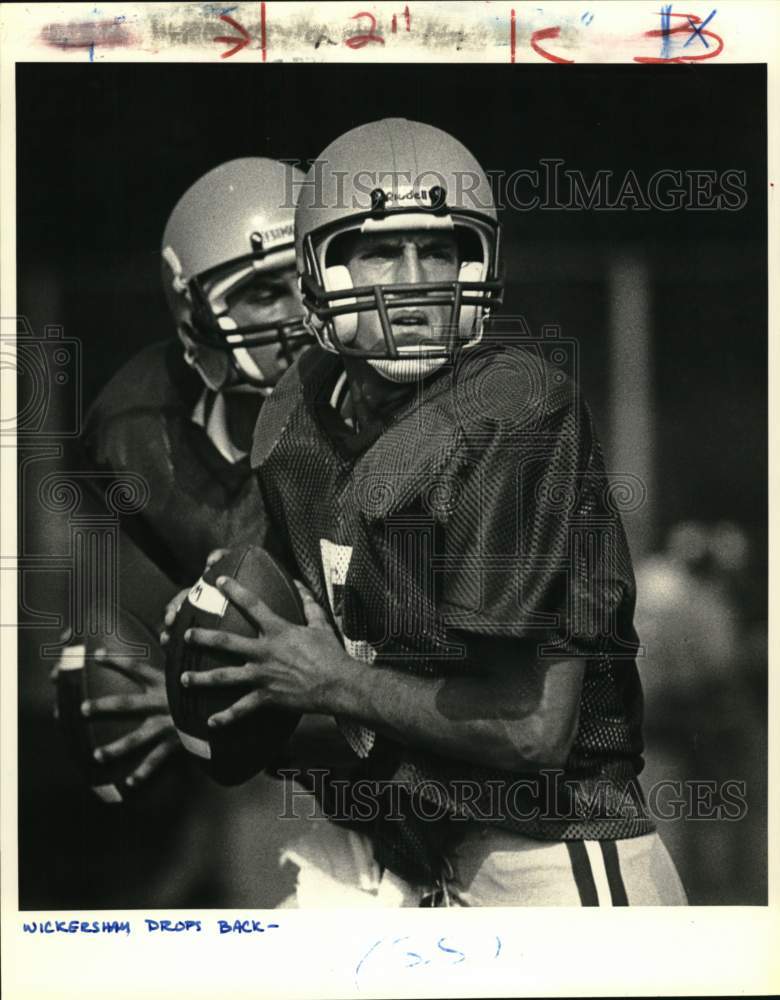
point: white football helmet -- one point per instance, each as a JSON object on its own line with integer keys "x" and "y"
{"x": 389, "y": 176}
{"x": 231, "y": 225}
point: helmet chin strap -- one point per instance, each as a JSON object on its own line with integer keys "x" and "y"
{"x": 247, "y": 364}
{"x": 412, "y": 369}
{"x": 217, "y": 369}
{"x": 245, "y": 389}
{"x": 407, "y": 369}
{"x": 241, "y": 356}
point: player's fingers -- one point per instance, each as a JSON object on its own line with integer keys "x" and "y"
{"x": 153, "y": 760}
{"x": 249, "y": 602}
{"x": 156, "y": 699}
{"x": 228, "y": 642}
{"x": 145, "y": 733}
{"x": 114, "y": 704}
{"x": 315, "y": 615}
{"x": 221, "y": 677}
{"x": 215, "y": 556}
{"x": 243, "y": 707}
{"x": 173, "y": 607}
{"x": 133, "y": 664}
{"x": 150, "y": 674}
{"x": 125, "y": 662}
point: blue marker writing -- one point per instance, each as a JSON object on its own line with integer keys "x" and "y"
{"x": 244, "y": 926}
{"x": 171, "y": 926}
{"x": 77, "y": 927}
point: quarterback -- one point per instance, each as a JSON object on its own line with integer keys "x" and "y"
{"x": 441, "y": 496}
{"x": 181, "y": 412}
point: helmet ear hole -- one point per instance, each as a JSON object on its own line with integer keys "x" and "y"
{"x": 470, "y": 323}
{"x": 336, "y": 279}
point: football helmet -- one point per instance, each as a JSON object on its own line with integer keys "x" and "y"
{"x": 234, "y": 223}
{"x": 389, "y": 176}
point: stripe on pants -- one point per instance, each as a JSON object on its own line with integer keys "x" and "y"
{"x": 596, "y": 858}
{"x": 583, "y": 875}
{"x": 617, "y": 887}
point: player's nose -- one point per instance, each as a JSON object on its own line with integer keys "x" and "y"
{"x": 410, "y": 270}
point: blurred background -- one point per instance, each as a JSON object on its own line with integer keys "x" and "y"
{"x": 667, "y": 315}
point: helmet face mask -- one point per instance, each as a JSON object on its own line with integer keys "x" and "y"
{"x": 214, "y": 328}
{"x": 335, "y": 303}
{"x": 234, "y": 226}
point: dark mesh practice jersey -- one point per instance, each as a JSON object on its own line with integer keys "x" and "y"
{"x": 141, "y": 422}
{"x": 481, "y": 510}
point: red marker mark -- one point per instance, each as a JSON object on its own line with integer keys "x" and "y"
{"x": 240, "y": 43}
{"x": 407, "y": 18}
{"x": 86, "y": 34}
{"x": 685, "y": 29}
{"x": 512, "y": 35}
{"x": 542, "y": 35}
{"x": 263, "y": 40}
{"x": 359, "y": 41}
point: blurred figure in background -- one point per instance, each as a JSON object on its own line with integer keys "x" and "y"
{"x": 181, "y": 414}
{"x": 702, "y": 674}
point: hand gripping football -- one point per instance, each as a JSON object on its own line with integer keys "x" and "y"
{"x": 236, "y": 752}
{"x": 80, "y": 677}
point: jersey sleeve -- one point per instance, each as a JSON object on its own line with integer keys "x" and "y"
{"x": 536, "y": 548}
{"x": 196, "y": 501}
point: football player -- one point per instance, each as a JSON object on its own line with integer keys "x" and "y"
{"x": 468, "y": 585}
{"x": 181, "y": 412}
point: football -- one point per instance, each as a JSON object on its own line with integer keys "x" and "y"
{"x": 234, "y": 753}
{"x": 80, "y": 676}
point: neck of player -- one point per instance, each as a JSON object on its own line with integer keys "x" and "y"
{"x": 374, "y": 398}
{"x": 241, "y": 409}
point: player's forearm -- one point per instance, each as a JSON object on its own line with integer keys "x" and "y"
{"x": 483, "y": 720}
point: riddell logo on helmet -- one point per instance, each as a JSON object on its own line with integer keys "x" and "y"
{"x": 406, "y": 194}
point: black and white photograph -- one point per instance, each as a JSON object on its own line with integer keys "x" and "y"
{"x": 392, "y": 454}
